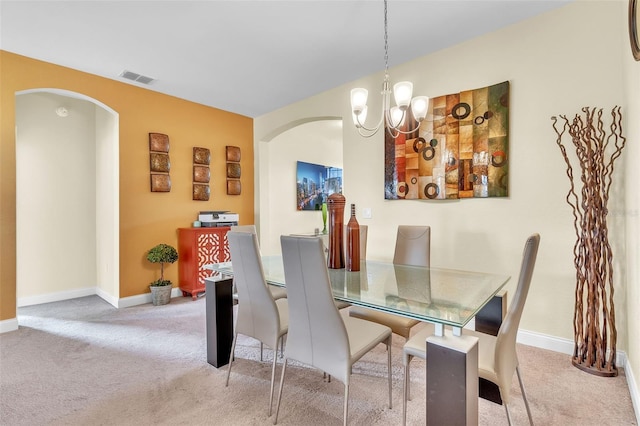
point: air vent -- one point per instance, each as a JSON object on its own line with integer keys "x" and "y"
{"x": 136, "y": 77}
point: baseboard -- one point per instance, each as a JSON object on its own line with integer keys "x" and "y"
{"x": 557, "y": 344}
{"x": 633, "y": 389}
{"x": 55, "y": 297}
{"x": 8, "y": 325}
{"x": 141, "y": 299}
{"x": 113, "y": 301}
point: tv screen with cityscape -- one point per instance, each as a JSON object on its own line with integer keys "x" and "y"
{"x": 314, "y": 183}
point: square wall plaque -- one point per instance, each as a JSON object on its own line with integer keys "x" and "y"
{"x": 201, "y": 174}
{"x": 201, "y": 192}
{"x": 158, "y": 142}
{"x": 160, "y": 182}
{"x": 201, "y": 156}
{"x": 233, "y": 187}
{"x": 233, "y": 170}
{"x": 159, "y": 162}
{"x": 233, "y": 153}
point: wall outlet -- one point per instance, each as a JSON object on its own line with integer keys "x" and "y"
{"x": 366, "y": 213}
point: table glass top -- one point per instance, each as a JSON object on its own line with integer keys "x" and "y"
{"x": 445, "y": 296}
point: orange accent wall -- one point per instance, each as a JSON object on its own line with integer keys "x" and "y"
{"x": 146, "y": 218}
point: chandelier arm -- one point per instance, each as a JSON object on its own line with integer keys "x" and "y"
{"x": 394, "y": 132}
{"x": 374, "y": 130}
{"x": 406, "y": 132}
{"x": 368, "y": 135}
{"x": 370, "y": 129}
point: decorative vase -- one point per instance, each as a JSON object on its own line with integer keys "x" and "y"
{"x": 160, "y": 294}
{"x": 594, "y": 317}
{"x": 324, "y": 218}
{"x": 353, "y": 242}
{"x": 336, "y": 223}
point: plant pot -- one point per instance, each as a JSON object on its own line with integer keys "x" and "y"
{"x": 160, "y": 294}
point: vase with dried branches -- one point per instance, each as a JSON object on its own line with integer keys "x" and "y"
{"x": 596, "y": 150}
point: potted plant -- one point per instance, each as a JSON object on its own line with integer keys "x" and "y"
{"x": 161, "y": 288}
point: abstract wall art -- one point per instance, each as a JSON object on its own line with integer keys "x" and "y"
{"x": 234, "y": 172}
{"x": 201, "y": 173}
{"x": 460, "y": 151}
{"x": 159, "y": 164}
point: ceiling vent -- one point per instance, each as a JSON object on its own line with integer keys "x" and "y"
{"x": 137, "y": 77}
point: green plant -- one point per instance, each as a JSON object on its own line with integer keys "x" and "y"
{"x": 162, "y": 253}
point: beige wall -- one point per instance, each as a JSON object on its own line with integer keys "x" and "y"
{"x": 557, "y": 63}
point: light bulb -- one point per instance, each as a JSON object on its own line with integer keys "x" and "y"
{"x": 419, "y": 107}
{"x": 359, "y": 99}
{"x": 402, "y": 94}
{"x": 397, "y": 117}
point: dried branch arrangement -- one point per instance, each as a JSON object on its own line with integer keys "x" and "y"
{"x": 594, "y": 316}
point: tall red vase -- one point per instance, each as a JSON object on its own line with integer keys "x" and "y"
{"x": 335, "y": 203}
{"x": 353, "y": 242}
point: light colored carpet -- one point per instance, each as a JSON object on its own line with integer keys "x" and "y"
{"x": 83, "y": 362}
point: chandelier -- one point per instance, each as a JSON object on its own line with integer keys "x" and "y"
{"x": 393, "y": 118}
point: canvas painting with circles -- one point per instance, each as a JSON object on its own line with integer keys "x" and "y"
{"x": 461, "y": 150}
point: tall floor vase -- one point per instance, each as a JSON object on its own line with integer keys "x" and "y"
{"x": 596, "y": 149}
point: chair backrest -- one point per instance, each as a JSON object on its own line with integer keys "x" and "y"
{"x": 244, "y": 228}
{"x": 505, "y": 357}
{"x": 413, "y": 246}
{"x": 317, "y": 334}
{"x": 363, "y": 240}
{"x": 258, "y": 315}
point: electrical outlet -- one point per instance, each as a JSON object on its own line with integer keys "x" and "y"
{"x": 366, "y": 213}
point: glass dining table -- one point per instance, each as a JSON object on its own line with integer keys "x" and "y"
{"x": 442, "y": 296}
{"x": 445, "y": 297}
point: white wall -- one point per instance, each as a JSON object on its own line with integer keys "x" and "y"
{"x": 556, "y": 63}
{"x": 318, "y": 142}
{"x": 107, "y": 205}
{"x": 55, "y": 201}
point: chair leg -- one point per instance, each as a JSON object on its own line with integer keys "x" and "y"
{"x": 389, "y": 368}
{"x": 405, "y": 390}
{"x": 233, "y": 348}
{"x": 281, "y": 346}
{"x": 273, "y": 376}
{"x": 284, "y": 367}
{"x": 506, "y": 408}
{"x": 524, "y": 396}
{"x": 346, "y": 404}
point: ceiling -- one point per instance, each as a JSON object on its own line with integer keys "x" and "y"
{"x": 247, "y": 57}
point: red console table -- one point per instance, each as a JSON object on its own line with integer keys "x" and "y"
{"x": 198, "y": 247}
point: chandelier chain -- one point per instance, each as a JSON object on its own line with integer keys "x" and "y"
{"x": 386, "y": 41}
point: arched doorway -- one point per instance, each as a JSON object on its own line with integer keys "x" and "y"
{"x": 67, "y": 226}
{"x": 314, "y": 140}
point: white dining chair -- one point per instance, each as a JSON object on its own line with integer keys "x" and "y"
{"x": 319, "y": 336}
{"x": 413, "y": 247}
{"x": 259, "y": 315}
{"x": 497, "y": 357}
{"x": 276, "y": 292}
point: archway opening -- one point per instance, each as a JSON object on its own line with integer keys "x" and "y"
{"x": 316, "y": 140}
{"x": 67, "y": 225}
